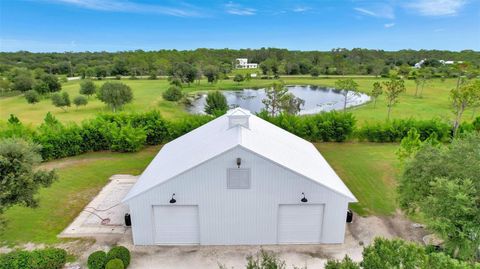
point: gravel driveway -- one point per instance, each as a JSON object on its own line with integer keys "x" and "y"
{"x": 361, "y": 232}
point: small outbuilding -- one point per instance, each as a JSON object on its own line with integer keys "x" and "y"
{"x": 238, "y": 180}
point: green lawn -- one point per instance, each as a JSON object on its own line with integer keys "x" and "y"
{"x": 368, "y": 170}
{"x": 148, "y": 96}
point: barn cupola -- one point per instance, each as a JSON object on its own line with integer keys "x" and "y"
{"x": 238, "y": 117}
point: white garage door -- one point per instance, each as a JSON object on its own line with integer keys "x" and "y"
{"x": 300, "y": 224}
{"x": 176, "y": 225}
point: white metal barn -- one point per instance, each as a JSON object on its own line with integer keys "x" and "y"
{"x": 238, "y": 180}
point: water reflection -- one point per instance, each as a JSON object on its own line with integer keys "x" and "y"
{"x": 317, "y": 99}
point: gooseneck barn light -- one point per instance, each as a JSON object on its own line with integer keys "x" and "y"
{"x": 304, "y": 200}
{"x": 239, "y": 162}
{"x": 173, "y": 201}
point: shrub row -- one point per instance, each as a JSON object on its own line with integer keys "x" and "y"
{"x": 130, "y": 132}
{"x": 49, "y": 258}
{"x": 331, "y": 126}
{"x": 394, "y": 131}
{"x": 117, "y": 258}
{"x": 117, "y": 132}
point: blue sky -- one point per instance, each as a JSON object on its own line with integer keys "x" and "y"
{"x": 113, "y": 25}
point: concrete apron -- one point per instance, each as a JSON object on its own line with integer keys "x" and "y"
{"x": 105, "y": 214}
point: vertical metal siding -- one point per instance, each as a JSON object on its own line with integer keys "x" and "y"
{"x": 238, "y": 216}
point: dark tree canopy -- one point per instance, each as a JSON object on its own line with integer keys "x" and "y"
{"x": 80, "y": 101}
{"x": 238, "y": 78}
{"x": 211, "y": 72}
{"x": 115, "y": 94}
{"x": 23, "y": 83}
{"x": 443, "y": 182}
{"x": 32, "y": 97}
{"x": 52, "y": 82}
{"x": 41, "y": 87}
{"x": 20, "y": 181}
{"x": 272, "y": 61}
{"x": 87, "y": 87}
{"x": 184, "y": 71}
{"x": 61, "y": 100}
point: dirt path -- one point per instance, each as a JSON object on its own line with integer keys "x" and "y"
{"x": 69, "y": 162}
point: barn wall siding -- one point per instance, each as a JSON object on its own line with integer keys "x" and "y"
{"x": 238, "y": 216}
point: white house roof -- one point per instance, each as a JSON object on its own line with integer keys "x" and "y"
{"x": 260, "y": 137}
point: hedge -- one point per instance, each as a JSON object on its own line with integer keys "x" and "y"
{"x": 130, "y": 132}
{"x": 118, "y": 132}
{"x": 330, "y": 126}
{"x": 394, "y": 131}
{"x": 49, "y": 258}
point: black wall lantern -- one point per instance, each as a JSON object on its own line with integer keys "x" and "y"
{"x": 349, "y": 216}
{"x": 239, "y": 162}
{"x": 304, "y": 200}
{"x": 173, "y": 201}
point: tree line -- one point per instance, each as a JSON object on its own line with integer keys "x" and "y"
{"x": 276, "y": 61}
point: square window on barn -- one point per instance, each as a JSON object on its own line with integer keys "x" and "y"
{"x": 238, "y": 178}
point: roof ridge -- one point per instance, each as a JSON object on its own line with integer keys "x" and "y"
{"x": 240, "y": 132}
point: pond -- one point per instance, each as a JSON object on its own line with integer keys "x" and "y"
{"x": 317, "y": 99}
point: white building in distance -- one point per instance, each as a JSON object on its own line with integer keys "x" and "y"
{"x": 242, "y": 63}
{"x": 238, "y": 180}
{"x": 419, "y": 64}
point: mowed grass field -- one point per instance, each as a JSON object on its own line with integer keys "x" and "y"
{"x": 148, "y": 95}
{"x": 368, "y": 170}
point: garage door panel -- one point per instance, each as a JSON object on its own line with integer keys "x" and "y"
{"x": 300, "y": 223}
{"x": 176, "y": 224}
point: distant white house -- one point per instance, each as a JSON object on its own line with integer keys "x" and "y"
{"x": 419, "y": 64}
{"x": 450, "y": 62}
{"x": 242, "y": 63}
{"x": 238, "y": 180}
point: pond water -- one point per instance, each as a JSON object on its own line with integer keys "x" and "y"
{"x": 317, "y": 99}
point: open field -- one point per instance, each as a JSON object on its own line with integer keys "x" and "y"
{"x": 148, "y": 96}
{"x": 367, "y": 169}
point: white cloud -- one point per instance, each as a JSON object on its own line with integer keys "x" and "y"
{"x": 301, "y": 9}
{"x": 389, "y": 25}
{"x": 436, "y": 7}
{"x": 378, "y": 11}
{"x": 236, "y": 9}
{"x": 365, "y": 11}
{"x": 131, "y": 7}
